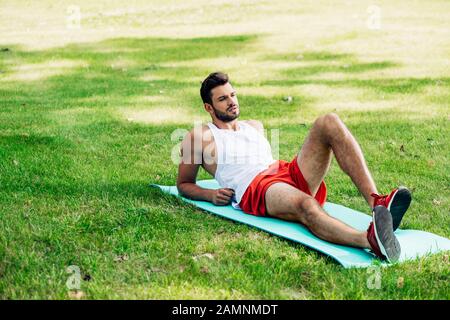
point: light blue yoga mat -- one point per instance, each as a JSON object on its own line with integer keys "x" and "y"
{"x": 414, "y": 243}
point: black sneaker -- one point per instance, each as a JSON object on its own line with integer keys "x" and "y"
{"x": 381, "y": 236}
{"x": 397, "y": 202}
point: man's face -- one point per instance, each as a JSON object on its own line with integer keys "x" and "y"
{"x": 225, "y": 103}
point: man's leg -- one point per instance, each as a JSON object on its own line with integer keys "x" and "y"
{"x": 286, "y": 202}
{"x": 327, "y": 136}
{"x": 330, "y": 135}
{"x": 283, "y": 201}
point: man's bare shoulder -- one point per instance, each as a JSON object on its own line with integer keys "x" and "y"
{"x": 202, "y": 132}
{"x": 195, "y": 140}
{"x": 258, "y": 125}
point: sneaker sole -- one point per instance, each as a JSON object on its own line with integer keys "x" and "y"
{"x": 399, "y": 205}
{"x": 387, "y": 241}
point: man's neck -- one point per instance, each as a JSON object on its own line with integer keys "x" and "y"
{"x": 232, "y": 125}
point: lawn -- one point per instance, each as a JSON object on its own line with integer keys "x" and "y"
{"x": 87, "y": 112}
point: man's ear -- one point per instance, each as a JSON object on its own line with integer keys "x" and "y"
{"x": 208, "y": 107}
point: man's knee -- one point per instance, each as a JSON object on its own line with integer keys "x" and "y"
{"x": 328, "y": 121}
{"x": 331, "y": 126}
{"x": 309, "y": 210}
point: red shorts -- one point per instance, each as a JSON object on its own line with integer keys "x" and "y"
{"x": 253, "y": 200}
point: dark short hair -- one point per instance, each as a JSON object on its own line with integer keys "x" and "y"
{"x": 215, "y": 79}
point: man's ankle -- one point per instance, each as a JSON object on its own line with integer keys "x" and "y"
{"x": 366, "y": 243}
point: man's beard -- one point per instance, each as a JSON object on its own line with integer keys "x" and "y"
{"x": 223, "y": 116}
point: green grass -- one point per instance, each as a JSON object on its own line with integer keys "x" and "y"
{"x": 86, "y": 124}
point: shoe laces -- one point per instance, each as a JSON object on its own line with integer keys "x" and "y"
{"x": 379, "y": 197}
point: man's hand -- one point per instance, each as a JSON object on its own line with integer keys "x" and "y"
{"x": 222, "y": 197}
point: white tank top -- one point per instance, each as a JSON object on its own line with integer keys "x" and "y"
{"x": 241, "y": 155}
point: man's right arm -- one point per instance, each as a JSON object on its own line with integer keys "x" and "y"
{"x": 190, "y": 161}
{"x": 191, "y": 158}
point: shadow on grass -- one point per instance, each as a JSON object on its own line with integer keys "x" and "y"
{"x": 384, "y": 85}
{"x": 114, "y": 69}
{"x": 309, "y": 56}
{"x": 322, "y": 62}
{"x": 345, "y": 68}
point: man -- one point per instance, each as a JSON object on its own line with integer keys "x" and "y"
{"x": 238, "y": 155}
